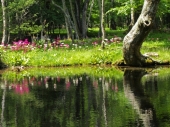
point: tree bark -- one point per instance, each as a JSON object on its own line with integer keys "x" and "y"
{"x": 90, "y": 12}
{"x": 101, "y": 8}
{"x": 4, "y": 18}
{"x": 68, "y": 21}
{"x": 133, "y": 40}
{"x": 74, "y": 20}
{"x": 102, "y": 24}
{"x": 67, "y": 17}
{"x": 84, "y": 18}
{"x": 81, "y": 8}
{"x": 132, "y": 15}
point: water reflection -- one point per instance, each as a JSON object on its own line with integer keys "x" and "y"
{"x": 136, "y": 99}
{"x": 134, "y": 91}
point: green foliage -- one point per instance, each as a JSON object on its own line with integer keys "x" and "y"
{"x": 163, "y": 8}
{"x": 64, "y": 57}
{"x": 16, "y": 58}
{"x": 19, "y": 6}
{"x": 84, "y": 53}
{"x": 122, "y": 10}
{"x": 98, "y": 72}
{"x": 40, "y": 98}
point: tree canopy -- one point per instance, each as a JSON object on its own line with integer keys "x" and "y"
{"x": 36, "y": 16}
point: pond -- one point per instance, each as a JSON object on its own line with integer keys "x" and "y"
{"x": 85, "y": 97}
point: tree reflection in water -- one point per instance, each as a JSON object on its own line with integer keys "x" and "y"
{"x": 78, "y": 100}
{"x": 134, "y": 91}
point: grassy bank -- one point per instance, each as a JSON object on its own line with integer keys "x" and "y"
{"x": 63, "y": 57}
{"x": 83, "y": 52}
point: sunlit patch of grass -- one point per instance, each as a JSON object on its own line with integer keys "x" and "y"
{"x": 65, "y": 57}
{"x": 158, "y": 43}
{"x": 85, "y": 52}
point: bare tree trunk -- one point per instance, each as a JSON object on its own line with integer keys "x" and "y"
{"x": 67, "y": 17}
{"x": 133, "y": 40}
{"x": 101, "y": 8}
{"x": 74, "y": 20}
{"x": 4, "y": 18}
{"x": 8, "y": 31}
{"x": 68, "y": 20}
{"x": 132, "y": 15}
{"x": 84, "y": 19}
{"x": 43, "y": 28}
{"x": 89, "y": 14}
{"x": 67, "y": 28}
{"x": 81, "y": 8}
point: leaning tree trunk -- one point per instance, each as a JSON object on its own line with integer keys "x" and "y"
{"x": 133, "y": 40}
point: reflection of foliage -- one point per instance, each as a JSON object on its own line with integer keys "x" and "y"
{"x": 64, "y": 72}
{"x": 69, "y": 97}
{"x": 157, "y": 88}
{"x": 88, "y": 96}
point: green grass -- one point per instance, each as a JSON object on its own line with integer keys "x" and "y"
{"x": 85, "y": 53}
{"x": 63, "y": 57}
{"x": 93, "y": 32}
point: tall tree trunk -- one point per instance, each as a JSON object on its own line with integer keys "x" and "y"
{"x": 101, "y": 8}
{"x": 67, "y": 17}
{"x": 81, "y": 7}
{"x": 132, "y": 15}
{"x": 67, "y": 28}
{"x": 133, "y": 40}
{"x": 4, "y": 18}
{"x": 68, "y": 20}
{"x": 43, "y": 28}
{"x": 90, "y": 11}
{"x": 8, "y": 30}
{"x": 84, "y": 19}
{"x": 74, "y": 20}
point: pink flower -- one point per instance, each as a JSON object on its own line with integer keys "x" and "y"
{"x": 95, "y": 43}
{"x": 25, "y": 42}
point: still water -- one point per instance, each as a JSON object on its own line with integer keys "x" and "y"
{"x": 132, "y": 99}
